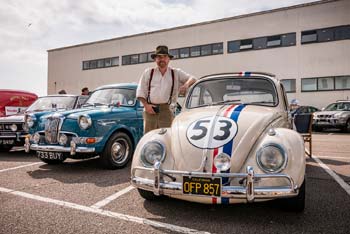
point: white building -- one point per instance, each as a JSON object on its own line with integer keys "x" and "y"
{"x": 307, "y": 46}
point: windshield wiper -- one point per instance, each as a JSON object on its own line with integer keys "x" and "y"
{"x": 257, "y": 103}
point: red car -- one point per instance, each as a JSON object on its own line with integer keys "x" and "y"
{"x": 15, "y": 101}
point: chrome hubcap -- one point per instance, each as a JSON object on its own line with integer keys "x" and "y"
{"x": 120, "y": 151}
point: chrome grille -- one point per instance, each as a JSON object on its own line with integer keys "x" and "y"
{"x": 51, "y": 130}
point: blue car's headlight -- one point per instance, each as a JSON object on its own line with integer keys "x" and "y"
{"x": 84, "y": 121}
{"x": 30, "y": 120}
{"x": 272, "y": 158}
{"x": 151, "y": 152}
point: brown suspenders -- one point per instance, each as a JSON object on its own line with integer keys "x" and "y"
{"x": 172, "y": 86}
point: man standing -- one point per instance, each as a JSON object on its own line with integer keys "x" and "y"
{"x": 85, "y": 91}
{"x": 159, "y": 87}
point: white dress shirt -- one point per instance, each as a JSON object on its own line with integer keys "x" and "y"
{"x": 161, "y": 85}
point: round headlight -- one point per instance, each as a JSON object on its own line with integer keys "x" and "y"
{"x": 152, "y": 152}
{"x": 30, "y": 121}
{"x": 222, "y": 162}
{"x": 84, "y": 122}
{"x": 62, "y": 140}
{"x": 272, "y": 158}
{"x": 36, "y": 138}
{"x": 13, "y": 127}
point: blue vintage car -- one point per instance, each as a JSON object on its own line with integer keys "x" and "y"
{"x": 109, "y": 124}
{"x": 12, "y": 128}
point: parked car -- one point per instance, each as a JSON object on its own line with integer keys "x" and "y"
{"x": 15, "y": 101}
{"x": 304, "y": 110}
{"x": 109, "y": 125}
{"x": 12, "y": 128}
{"x": 231, "y": 143}
{"x": 335, "y": 115}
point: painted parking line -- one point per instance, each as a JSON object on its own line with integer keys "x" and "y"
{"x": 337, "y": 178}
{"x": 334, "y": 157}
{"x": 112, "y": 197}
{"x": 107, "y": 213}
{"x": 15, "y": 168}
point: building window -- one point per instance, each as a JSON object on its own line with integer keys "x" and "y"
{"x": 134, "y": 59}
{"x": 325, "y": 83}
{"x": 86, "y": 65}
{"x": 205, "y": 50}
{"x": 274, "y": 41}
{"x": 195, "y": 51}
{"x": 342, "y": 33}
{"x": 309, "y": 84}
{"x": 93, "y": 64}
{"x": 308, "y": 36}
{"x": 150, "y": 59}
{"x": 259, "y": 43}
{"x": 289, "y": 39}
{"x": 233, "y": 46}
{"x": 218, "y": 48}
{"x": 246, "y": 44}
{"x": 175, "y": 53}
{"x": 184, "y": 52}
{"x": 115, "y": 61}
{"x": 143, "y": 58}
{"x": 126, "y": 60}
{"x": 289, "y": 85}
{"x": 100, "y": 63}
{"x": 108, "y": 62}
{"x": 342, "y": 82}
{"x": 325, "y": 35}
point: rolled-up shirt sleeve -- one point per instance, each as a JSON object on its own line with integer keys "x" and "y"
{"x": 142, "y": 88}
{"x": 184, "y": 76}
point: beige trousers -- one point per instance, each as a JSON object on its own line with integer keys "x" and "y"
{"x": 163, "y": 119}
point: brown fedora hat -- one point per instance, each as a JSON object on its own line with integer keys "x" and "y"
{"x": 161, "y": 50}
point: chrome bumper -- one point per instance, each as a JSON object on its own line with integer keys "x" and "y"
{"x": 73, "y": 149}
{"x": 248, "y": 191}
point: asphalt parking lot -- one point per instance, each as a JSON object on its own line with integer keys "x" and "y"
{"x": 80, "y": 197}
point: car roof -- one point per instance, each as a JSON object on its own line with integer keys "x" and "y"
{"x": 60, "y": 95}
{"x": 119, "y": 85}
{"x": 241, "y": 74}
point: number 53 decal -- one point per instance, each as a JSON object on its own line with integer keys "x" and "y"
{"x": 205, "y": 134}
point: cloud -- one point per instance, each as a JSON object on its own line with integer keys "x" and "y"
{"x": 29, "y": 28}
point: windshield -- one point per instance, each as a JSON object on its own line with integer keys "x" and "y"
{"x": 53, "y": 102}
{"x": 339, "y": 106}
{"x": 250, "y": 90}
{"x": 112, "y": 96}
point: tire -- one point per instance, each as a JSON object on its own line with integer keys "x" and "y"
{"x": 317, "y": 129}
{"x": 147, "y": 195}
{"x": 295, "y": 204}
{"x": 117, "y": 152}
{"x": 52, "y": 161}
{"x": 347, "y": 126}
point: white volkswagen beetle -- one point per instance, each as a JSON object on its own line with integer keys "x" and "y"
{"x": 232, "y": 143}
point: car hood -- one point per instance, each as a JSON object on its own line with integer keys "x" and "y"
{"x": 91, "y": 111}
{"x": 249, "y": 122}
{"x": 12, "y": 119}
{"x": 329, "y": 112}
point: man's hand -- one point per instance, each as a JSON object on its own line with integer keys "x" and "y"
{"x": 183, "y": 89}
{"x": 149, "y": 109}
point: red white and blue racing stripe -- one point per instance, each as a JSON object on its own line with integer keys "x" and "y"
{"x": 233, "y": 112}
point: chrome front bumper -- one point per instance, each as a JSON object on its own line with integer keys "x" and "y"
{"x": 73, "y": 149}
{"x": 248, "y": 191}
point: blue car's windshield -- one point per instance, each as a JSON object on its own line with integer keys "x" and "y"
{"x": 112, "y": 96}
{"x": 53, "y": 102}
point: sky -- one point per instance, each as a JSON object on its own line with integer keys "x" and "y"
{"x": 29, "y": 28}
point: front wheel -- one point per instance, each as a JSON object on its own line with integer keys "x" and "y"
{"x": 117, "y": 152}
